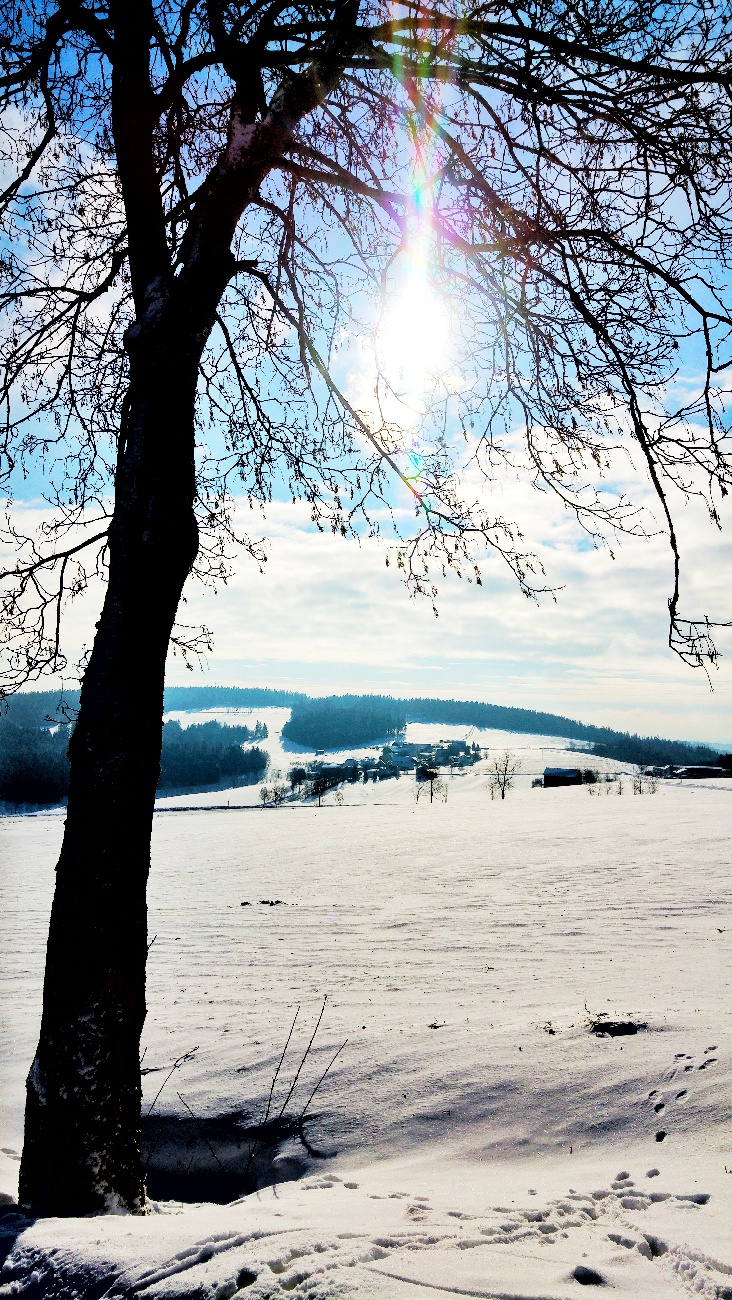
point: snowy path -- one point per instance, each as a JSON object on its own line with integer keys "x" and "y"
{"x": 450, "y": 941}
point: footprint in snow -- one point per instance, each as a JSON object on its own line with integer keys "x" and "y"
{"x": 417, "y": 1212}
{"x": 647, "y": 1245}
{"x": 588, "y": 1276}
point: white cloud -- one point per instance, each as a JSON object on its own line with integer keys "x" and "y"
{"x": 327, "y": 615}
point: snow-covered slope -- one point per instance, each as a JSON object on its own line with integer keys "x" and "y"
{"x": 471, "y": 1135}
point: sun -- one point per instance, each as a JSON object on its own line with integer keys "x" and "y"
{"x": 414, "y": 338}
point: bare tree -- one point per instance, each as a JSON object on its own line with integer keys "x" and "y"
{"x": 202, "y": 199}
{"x": 501, "y": 773}
{"x": 428, "y": 778}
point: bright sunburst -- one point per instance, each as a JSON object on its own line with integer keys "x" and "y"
{"x": 414, "y": 337}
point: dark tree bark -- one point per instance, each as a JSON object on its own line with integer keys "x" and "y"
{"x": 82, "y": 1147}
{"x": 82, "y": 1129}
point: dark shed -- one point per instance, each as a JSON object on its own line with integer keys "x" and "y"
{"x": 562, "y": 776}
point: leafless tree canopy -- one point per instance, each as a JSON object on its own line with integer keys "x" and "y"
{"x": 501, "y": 773}
{"x": 267, "y": 162}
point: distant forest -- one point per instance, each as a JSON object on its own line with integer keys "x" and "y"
{"x": 199, "y": 698}
{"x": 338, "y": 722}
{"x": 33, "y": 764}
{"x": 209, "y": 753}
{"x": 34, "y": 768}
{"x": 604, "y": 741}
{"x": 342, "y": 720}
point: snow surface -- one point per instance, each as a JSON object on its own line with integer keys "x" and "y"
{"x": 473, "y": 1136}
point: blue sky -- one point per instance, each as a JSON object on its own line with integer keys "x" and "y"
{"x": 328, "y": 615}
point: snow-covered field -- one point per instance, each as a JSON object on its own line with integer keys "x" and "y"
{"x": 473, "y": 1136}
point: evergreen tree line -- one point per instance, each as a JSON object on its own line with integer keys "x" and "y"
{"x": 33, "y": 764}
{"x": 34, "y": 738}
{"x": 605, "y": 742}
{"x": 654, "y": 751}
{"x": 191, "y": 698}
{"x": 339, "y": 721}
{"x": 208, "y": 753}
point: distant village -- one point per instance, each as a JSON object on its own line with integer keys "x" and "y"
{"x": 400, "y": 756}
{"x": 425, "y": 760}
{"x": 397, "y": 757}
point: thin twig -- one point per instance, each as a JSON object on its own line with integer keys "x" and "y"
{"x": 175, "y": 1066}
{"x": 277, "y": 1071}
{"x": 304, "y": 1058}
{"x": 320, "y": 1080}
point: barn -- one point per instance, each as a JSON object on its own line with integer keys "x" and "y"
{"x": 562, "y": 776}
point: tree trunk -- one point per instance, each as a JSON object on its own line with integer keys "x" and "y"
{"x": 82, "y": 1134}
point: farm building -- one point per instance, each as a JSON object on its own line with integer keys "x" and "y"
{"x": 562, "y": 776}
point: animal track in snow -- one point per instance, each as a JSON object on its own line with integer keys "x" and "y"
{"x": 662, "y": 1101}
{"x": 517, "y": 1229}
{"x": 297, "y": 1261}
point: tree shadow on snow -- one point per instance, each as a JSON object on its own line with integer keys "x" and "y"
{"x": 224, "y": 1157}
{"x": 12, "y": 1223}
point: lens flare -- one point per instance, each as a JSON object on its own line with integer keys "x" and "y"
{"x": 415, "y": 334}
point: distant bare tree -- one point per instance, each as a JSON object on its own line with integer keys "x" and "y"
{"x": 202, "y": 199}
{"x": 429, "y": 780}
{"x": 501, "y": 773}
